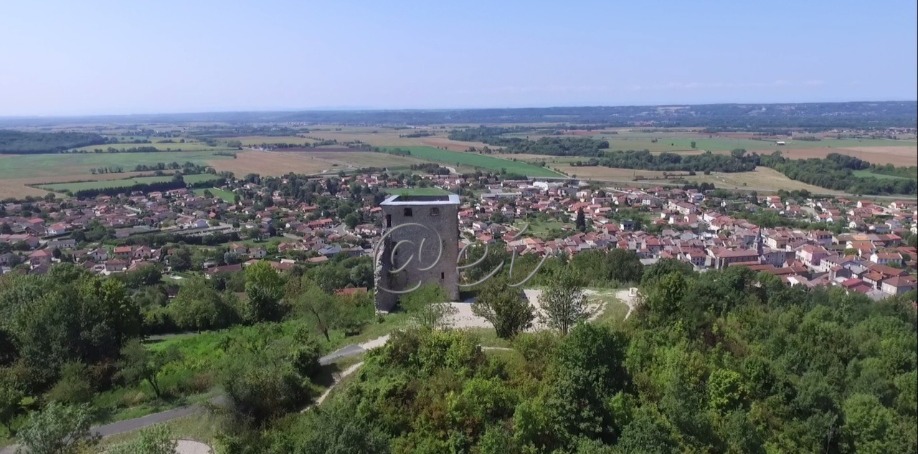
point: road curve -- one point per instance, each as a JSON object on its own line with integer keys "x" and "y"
{"x": 142, "y": 422}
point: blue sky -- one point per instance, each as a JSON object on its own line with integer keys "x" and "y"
{"x": 64, "y": 57}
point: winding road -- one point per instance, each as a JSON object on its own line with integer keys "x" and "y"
{"x": 142, "y": 422}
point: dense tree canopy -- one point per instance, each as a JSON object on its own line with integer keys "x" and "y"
{"x": 21, "y": 142}
{"x": 724, "y": 361}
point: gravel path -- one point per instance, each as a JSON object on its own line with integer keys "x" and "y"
{"x": 192, "y": 447}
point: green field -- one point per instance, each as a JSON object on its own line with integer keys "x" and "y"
{"x": 868, "y": 174}
{"x": 125, "y": 182}
{"x": 227, "y": 196}
{"x": 480, "y": 161}
{"x": 416, "y": 191}
{"x": 52, "y": 165}
{"x": 682, "y": 141}
{"x": 542, "y": 228}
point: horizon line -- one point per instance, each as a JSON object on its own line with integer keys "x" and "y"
{"x": 425, "y": 109}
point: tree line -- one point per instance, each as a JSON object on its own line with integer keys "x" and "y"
{"x": 22, "y": 142}
{"x": 836, "y": 171}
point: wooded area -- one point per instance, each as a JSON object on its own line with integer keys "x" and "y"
{"x": 724, "y": 361}
{"x": 21, "y": 142}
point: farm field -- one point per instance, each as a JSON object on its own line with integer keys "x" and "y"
{"x": 307, "y": 162}
{"x": 877, "y": 151}
{"x": 167, "y": 147}
{"x": 905, "y": 155}
{"x": 18, "y": 173}
{"x": 761, "y": 179}
{"x": 124, "y": 182}
{"x": 480, "y": 161}
{"x": 55, "y": 165}
{"x": 248, "y": 141}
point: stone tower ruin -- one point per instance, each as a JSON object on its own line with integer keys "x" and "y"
{"x": 419, "y": 246}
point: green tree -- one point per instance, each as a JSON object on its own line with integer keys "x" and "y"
{"x": 179, "y": 259}
{"x": 140, "y": 364}
{"x": 662, "y": 268}
{"x": 11, "y": 395}
{"x": 563, "y": 303}
{"x": 73, "y": 387}
{"x": 312, "y": 301}
{"x": 306, "y": 353}
{"x": 153, "y": 440}
{"x": 725, "y": 390}
{"x": 351, "y": 220}
{"x": 58, "y": 429}
{"x": 261, "y": 384}
{"x": 108, "y": 318}
{"x": 197, "y": 306}
{"x": 663, "y": 300}
{"x": 580, "y": 221}
{"x": 870, "y": 427}
{"x": 264, "y": 288}
{"x": 427, "y": 306}
{"x": 588, "y": 370}
{"x": 338, "y": 428}
{"x": 505, "y": 307}
{"x": 646, "y": 433}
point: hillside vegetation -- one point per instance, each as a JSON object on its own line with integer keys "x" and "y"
{"x": 725, "y": 361}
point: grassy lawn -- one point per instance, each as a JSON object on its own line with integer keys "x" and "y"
{"x": 613, "y": 311}
{"x": 125, "y": 182}
{"x": 475, "y": 160}
{"x": 541, "y": 229}
{"x": 227, "y": 196}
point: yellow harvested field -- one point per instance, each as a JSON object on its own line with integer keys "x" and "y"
{"x": 896, "y": 155}
{"x": 378, "y": 137}
{"x": 761, "y": 179}
{"x": 306, "y": 162}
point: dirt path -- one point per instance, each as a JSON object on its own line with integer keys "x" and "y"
{"x": 338, "y": 378}
{"x": 626, "y": 297}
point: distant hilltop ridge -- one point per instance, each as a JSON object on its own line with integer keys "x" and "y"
{"x": 899, "y": 114}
